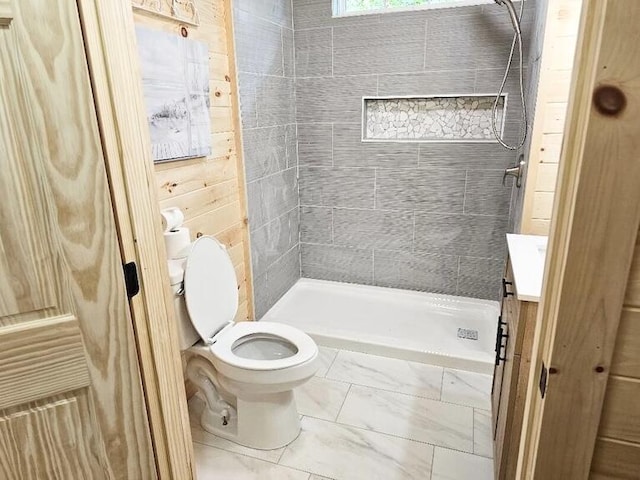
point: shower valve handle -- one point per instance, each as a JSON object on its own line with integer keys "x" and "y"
{"x": 515, "y": 172}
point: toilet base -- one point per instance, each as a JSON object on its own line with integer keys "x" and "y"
{"x": 266, "y": 422}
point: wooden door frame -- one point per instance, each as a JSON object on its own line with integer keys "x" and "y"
{"x": 109, "y": 35}
{"x": 593, "y": 234}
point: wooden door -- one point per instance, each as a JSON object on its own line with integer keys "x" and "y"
{"x": 71, "y": 400}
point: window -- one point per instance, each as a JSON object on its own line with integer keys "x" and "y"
{"x": 359, "y": 7}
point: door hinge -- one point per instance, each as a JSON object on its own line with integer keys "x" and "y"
{"x": 131, "y": 279}
{"x": 543, "y": 380}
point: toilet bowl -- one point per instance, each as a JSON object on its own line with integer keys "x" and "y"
{"x": 244, "y": 371}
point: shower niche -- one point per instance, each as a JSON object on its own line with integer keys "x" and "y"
{"x": 442, "y": 118}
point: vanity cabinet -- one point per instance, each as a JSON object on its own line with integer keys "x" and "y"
{"x": 514, "y": 343}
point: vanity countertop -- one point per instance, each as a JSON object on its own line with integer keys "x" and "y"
{"x": 527, "y": 254}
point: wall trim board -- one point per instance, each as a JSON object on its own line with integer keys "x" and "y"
{"x": 111, "y": 49}
{"x": 242, "y": 183}
{"x": 550, "y": 113}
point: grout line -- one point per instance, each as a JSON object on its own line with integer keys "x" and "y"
{"x": 342, "y": 406}
{"x": 373, "y": 265}
{"x": 335, "y": 357}
{"x": 282, "y": 453}
{"x": 473, "y": 431}
{"x": 245, "y": 454}
{"x": 424, "y": 55}
{"x": 413, "y": 241}
{"x": 331, "y": 209}
{"x": 375, "y": 187}
{"x": 332, "y": 51}
{"x": 333, "y": 161}
{"x": 282, "y": 50}
{"x": 392, "y": 435}
{"x": 433, "y": 457}
{"x": 406, "y": 210}
{"x": 464, "y": 195}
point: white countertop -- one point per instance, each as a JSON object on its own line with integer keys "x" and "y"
{"x": 527, "y": 253}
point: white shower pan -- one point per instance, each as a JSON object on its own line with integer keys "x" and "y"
{"x": 416, "y": 326}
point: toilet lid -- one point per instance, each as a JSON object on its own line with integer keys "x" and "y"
{"x": 210, "y": 287}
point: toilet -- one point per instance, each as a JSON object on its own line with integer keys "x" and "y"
{"x": 244, "y": 371}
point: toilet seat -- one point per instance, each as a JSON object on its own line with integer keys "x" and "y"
{"x": 210, "y": 287}
{"x": 211, "y": 297}
{"x": 222, "y": 349}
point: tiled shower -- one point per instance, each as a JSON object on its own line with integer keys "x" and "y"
{"x": 322, "y": 203}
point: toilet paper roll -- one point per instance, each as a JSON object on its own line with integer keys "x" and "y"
{"x": 176, "y": 242}
{"x": 172, "y": 218}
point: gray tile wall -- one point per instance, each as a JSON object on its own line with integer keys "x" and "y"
{"x": 535, "y": 55}
{"x": 265, "y": 56}
{"x": 419, "y": 216}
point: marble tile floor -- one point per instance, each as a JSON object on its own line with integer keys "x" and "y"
{"x": 369, "y": 417}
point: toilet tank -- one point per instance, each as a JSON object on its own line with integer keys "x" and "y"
{"x": 187, "y": 334}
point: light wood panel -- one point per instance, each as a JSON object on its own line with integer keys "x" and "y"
{"x": 211, "y": 190}
{"x": 626, "y": 357}
{"x": 632, "y": 297}
{"x": 41, "y": 359}
{"x": 621, "y": 410}
{"x": 617, "y": 451}
{"x": 594, "y": 230}
{"x": 51, "y": 439}
{"x": 550, "y": 113}
{"x": 615, "y": 459}
{"x": 52, "y": 155}
{"x": 547, "y": 176}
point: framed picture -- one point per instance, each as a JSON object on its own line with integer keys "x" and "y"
{"x": 175, "y": 80}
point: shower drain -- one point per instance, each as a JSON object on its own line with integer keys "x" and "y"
{"x": 468, "y": 333}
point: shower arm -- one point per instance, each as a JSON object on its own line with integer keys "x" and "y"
{"x": 512, "y": 14}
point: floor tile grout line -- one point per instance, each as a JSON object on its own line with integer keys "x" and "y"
{"x": 433, "y": 457}
{"x": 392, "y": 435}
{"x": 247, "y": 455}
{"x": 342, "y": 406}
{"x": 335, "y": 357}
{"x": 386, "y": 390}
{"x": 282, "y": 454}
{"x": 473, "y": 431}
{"x": 346, "y": 426}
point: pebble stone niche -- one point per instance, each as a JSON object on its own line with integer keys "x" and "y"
{"x": 431, "y": 119}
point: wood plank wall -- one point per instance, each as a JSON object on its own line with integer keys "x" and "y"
{"x": 560, "y": 38}
{"x": 617, "y": 452}
{"x": 211, "y": 190}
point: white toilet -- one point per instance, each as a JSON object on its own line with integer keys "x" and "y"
{"x": 245, "y": 371}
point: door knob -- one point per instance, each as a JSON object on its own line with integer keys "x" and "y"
{"x": 515, "y": 172}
